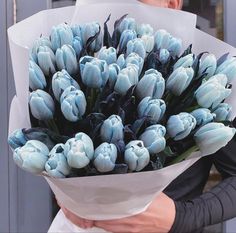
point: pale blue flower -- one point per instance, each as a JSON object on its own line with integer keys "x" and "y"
{"x": 136, "y": 156}
{"x": 105, "y": 157}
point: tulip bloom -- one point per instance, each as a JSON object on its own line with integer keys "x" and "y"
{"x": 32, "y": 156}
{"x": 79, "y": 150}
{"x": 73, "y": 104}
{"x": 212, "y": 137}
{"x": 136, "y": 156}
{"x": 105, "y": 157}
{"x": 180, "y": 126}
{"x": 112, "y": 129}
{"x": 154, "y": 138}
{"x": 57, "y": 165}
{"x": 41, "y": 105}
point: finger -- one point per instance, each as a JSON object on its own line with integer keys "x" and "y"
{"x": 88, "y": 223}
{"x": 74, "y": 218}
{"x": 113, "y": 228}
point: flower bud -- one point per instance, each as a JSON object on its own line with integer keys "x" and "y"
{"x": 105, "y": 157}
{"x": 154, "y": 109}
{"x": 136, "y": 46}
{"x": 61, "y": 35}
{"x": 46, "y": 60}
{"x": 208, "y": 66}
{"x": 60, "y": 81}
{"x": 79, "y": 150}
{"x": 108, "y": 55}
{"x": 180, "y": 126}
{"x": 136, "y": 156}
{"x": 151, "y": 84}
{"x": 154, "y": 138}
{"x": 17, "y": 139}
{"x": 179, "y": 80}
{"x": 32, "y": 156}
{"x": 57, "y": 165}
{"x": 144, "y": 29}
{"x": 66, "y": 59}
{"x": 41, "y": 105}
{"x": 73, "y": 104}
{"x": 203, "y": 116}
{"x": 212, "y": 137}
{"x": 112, "y": 129}
{"x": 126, "y": 79}
{"x": 185, "y": 62}
{"x": 223, "y": 112}
{"x": 94, "y": 72}
{"x": 212, "y": 92}
{"x": 36, "y": 77}
{"x": 125, "y": 37}
{"x": 164, "y": 55}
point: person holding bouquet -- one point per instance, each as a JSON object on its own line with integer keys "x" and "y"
{"x": 182, "y": 207}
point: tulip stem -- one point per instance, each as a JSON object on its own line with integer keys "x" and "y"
{"x": 52, "y": 126}
{"x": 184, "y": 155}
{"x": 190, "y": 109}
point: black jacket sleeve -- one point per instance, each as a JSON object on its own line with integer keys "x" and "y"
{"x": 215, "y": 206}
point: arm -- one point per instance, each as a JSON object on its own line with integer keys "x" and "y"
{"x": 214, "y": 206}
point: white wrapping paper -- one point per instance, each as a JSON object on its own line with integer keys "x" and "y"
{"x": 113, "y": 196}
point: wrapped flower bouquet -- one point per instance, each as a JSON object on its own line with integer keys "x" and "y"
{"x": 111, "y": 108}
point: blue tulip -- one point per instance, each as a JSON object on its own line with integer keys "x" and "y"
{"x": 114, "y": 70}
{"x": 162, "y": 39}
{"x": 126, "y": 36}
{"x": 61, "y": 35}
{"x": 134, "y": 58}
{"x": 136, "y": 46}
{"x": 76, "y": 30}
{"x": 151, "y": 84}
{"x": 127, "y": 24}
{"x": 203, "y": 116}
{"x": 212, "y": 92}
{"x": 42, "y": 41}
{"x": 208, "y": 66}
{"x": 46, "y": 60}
{"x": 105, "y": 157}
{"x": 164, "y": 56}
{"x": 73, "y": 104}
{"x": 60, "y": 81}
{"x": 126, "y": 79}
{"x": 179, "y": 80}
{"x": 212, "y": 137}
{"x": 112, "y": 129}
{"x": 148, "y": 42}
{"x": 17, "y": 139}
{"x": 57, "y": 165}
{"x": 77, "y": 45}
{"x": 154, "y": 138}
{"x": 36, "y": 77}
{"x": 228, "y": 68}
{"x": 121, "y": 62}
{"x": 223, "y": 112}
{"x": 94, "y": 72}
{"x": 154, "y": 109}
{"x": 136, "y": 156}
{"x": 185, "y": 62}
{"x": 41, "y": 105}
{"x": 144, "y": 29}
{"x": 180, "y": 126}
{"x": 66, "y": 59}
{"x": 79, "y": 150}
{"x": 32, "y": 156}
{"x": 109, "y": 55}
{"x": 89, "y": 30}
{"x": 174, "y": 46}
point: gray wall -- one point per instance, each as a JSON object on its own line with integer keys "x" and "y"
{"x": 25, "y": 200}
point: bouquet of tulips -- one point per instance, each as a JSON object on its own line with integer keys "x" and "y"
{"x": 133, "y": 101}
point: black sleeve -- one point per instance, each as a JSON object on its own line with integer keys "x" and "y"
{"x": 215, "y": 206}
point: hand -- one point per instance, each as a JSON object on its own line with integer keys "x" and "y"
{"x": 80, "y": 222}
{"x": 158, "y": 218}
